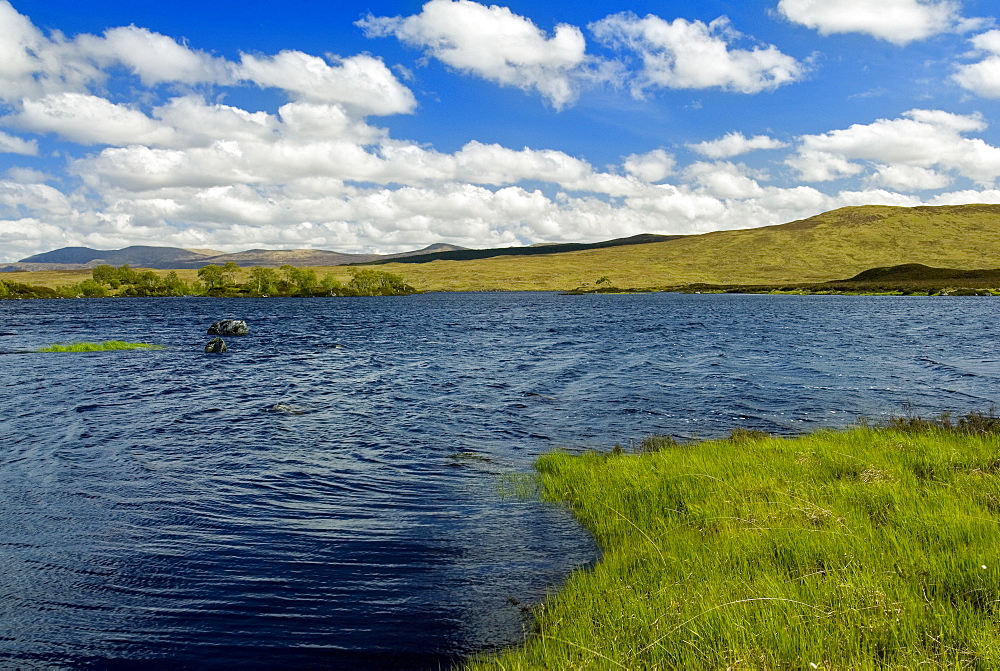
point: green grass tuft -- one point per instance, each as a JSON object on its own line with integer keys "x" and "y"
{"x": 106, "y": 346}
{"x": 874, "y": 547}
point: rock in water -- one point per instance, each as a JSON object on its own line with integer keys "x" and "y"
{"x": 215, "y": 346}
{"x": 229, "y": 327}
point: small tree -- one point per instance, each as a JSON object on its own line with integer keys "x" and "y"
{"x": 148, "y": 280}
{"x": 90, "y": 289}
{"x": 330, "y": 284}
{"x": 126, "y": 275}
{"x": 212, "y": 276}
{"x": 369, "y": 282}
{"x": 229, "y": 272}
{"x": 299, "y": 280}
{"x": 263, "y": 280}
{"x": 305, "y": 280}
{"x": 105, "y": 274}
{"x": 175, "y": 286}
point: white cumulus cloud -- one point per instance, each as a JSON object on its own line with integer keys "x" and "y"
{"x": 909, "y": 178}
{"x": 653, "y": 166}
{"x": 896, "y": 21}
{"x": 494, "y": 43}
{"x": 10, "y": 144}
{"x": 724, "y": 179}
{"x": 155, "y": 58}
{"x": 362, "y": 84}
{"x": 684, "y": 54}
{"x": 924, "y": 139}
{"x": 89, "y": 119}
{"x": 983, "y": 78}
{"x": 734, "y": 144}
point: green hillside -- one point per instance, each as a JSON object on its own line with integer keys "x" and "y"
{"x": 830, "y": 246}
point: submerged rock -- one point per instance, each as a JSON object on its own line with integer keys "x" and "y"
{"x": 215, "y": 346}
{"x": 229, "y": 327}
{"x": 286, "y": 409}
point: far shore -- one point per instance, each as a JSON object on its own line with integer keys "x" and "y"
{"x": 336, "y": 280}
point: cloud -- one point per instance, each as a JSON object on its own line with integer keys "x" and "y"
{"x": 897, "y": 21}
{"x": 983, "y": 78}
{"x": 909, "y": 178}
{"x": 495, "y": 44}
{"x": 15, "y": 145}
{"x": 196, "y": 123}
{"x": 33, "y": 65}
{"x": 692, "y": 55}
{"x": 923, "y": 139}
{"x": 494, "y": 164}
{"x": 654, "y": 166}
{"x": 362, "y": 84}
{"x": 734, "y": 144}
{"x": 725, "y": 180}
{"x": 155, "y": 58}
{"x": 88, "y": 119}
{"x": 968, "y": 196}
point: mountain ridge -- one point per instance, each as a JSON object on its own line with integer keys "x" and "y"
{"x": 170, "y": 258}
{"x": 178, "y": 258}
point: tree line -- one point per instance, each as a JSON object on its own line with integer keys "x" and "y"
{"x": 214, "y": 280}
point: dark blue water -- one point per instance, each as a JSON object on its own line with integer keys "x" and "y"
{"x": 325, "y": 495}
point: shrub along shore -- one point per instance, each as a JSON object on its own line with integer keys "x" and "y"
{"x": 228, "y": 280}
{"x": 869, "y": 548}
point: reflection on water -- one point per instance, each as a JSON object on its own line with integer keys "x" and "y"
{"x": 326, "y": 493}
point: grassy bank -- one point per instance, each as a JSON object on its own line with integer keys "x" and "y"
{"x": 875, "y": 547}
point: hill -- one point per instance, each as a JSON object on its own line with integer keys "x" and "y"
{"x": 917, "y": 272}
{"x": 138, "y": 255}
{"x": 533, "y": 250}
{"x": 830, "y": 246}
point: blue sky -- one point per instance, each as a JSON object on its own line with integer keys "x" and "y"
{"x": 387, "y": 126}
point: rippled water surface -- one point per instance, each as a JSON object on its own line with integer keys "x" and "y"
{"x": 326, "y": 493}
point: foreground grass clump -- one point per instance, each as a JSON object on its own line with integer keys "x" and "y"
{"x": 871, "y": 548}
{"x": 107, "y": 345}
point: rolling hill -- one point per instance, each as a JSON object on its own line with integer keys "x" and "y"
{"x": 834, "y": 245}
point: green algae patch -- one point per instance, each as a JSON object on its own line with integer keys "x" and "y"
{"x": 106, "y": 346}
{"x": 867, "y": 548}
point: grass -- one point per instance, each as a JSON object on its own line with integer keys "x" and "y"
{"x": 106, "y": 346}
{"x": 830, "y": 246}
{"x": 870, "y": 548}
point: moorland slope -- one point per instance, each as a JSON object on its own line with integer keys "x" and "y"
{"x": 830, "y": 246}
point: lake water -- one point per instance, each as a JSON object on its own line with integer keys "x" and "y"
{"x": 326, "y": 494}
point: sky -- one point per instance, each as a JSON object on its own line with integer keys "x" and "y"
{"x": 386, "y": 126}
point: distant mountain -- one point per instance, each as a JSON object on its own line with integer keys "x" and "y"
{"x": 146, "y": 257}
{"x": 161, "y": 258}
{"x": 69, "y": 258}
{"x": 547, "y": 248}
